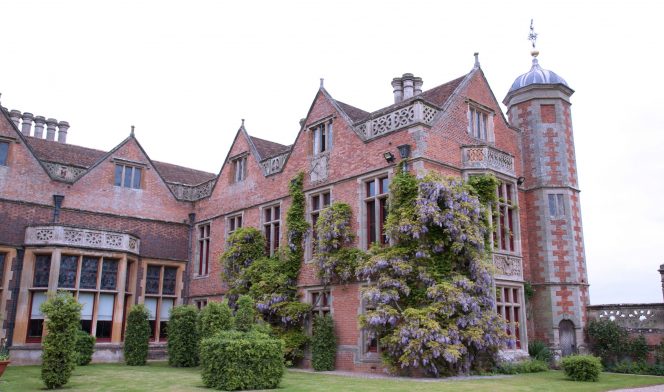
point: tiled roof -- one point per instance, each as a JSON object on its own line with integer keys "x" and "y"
{"x": 69, "y": 154}
{"x": 354, "y": 113}
{"x": 267, "y": 149}
{"x": 439, "y": 95}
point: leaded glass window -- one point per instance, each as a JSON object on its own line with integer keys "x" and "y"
{"x": 89, "y": 273}
{"x": 2, "y": 268}
{"x": 109, "y": 274}
{"x": 152, "y": 281}
{"x": 170, "y": 274}
{"x": 68, "y": 267}
{"x": 42, "y": 271}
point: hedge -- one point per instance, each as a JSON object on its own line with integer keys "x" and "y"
{"x": 234, "y": 360}
{"x": 245, "y": 316}
{"x": 523, "y": 367}
{"x": 582, "y": 367}
{"x": 323, "y": 344}
{"x": 85, "y": 347}
{"x": 63, "y": 319}
{"x": 137, "y": 336}
{"x": 183, "y": 336}
{"x": 215, "y": 317}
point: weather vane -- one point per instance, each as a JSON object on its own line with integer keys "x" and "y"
{"x": 532, "y": 37}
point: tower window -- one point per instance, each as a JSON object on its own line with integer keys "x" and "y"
{"x": 556, "y": 205}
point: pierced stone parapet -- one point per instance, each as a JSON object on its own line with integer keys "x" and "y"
{"x": 84, "y": 238}
{"x": 274, "y": 165}
{"x": 416, "y": 113}
{"x": 508, "y": 266}
{"x": 641, "y": 317}
{"x": 64, "y": 172}
{"x": 191, "y": 193}
{"x": 485, "y": 157}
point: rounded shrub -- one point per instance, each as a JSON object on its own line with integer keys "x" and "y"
{"x": 183, "y": 336}
{"x": 323, "y": 344}
{"x": 137, "y": 336}
{"x": 582, "y": 367}
{"x": 63, "y": 318}
{"x": 214, "y": 318}
{"x": 540, "y": 351}
{"x": 245, "y": 316}
{"x": 234, "y": 360}
{"x": 85, "y": 347}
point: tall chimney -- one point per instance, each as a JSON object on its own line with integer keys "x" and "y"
{"x": 39, "y": 127}
{"x": 398, "y": 90}
{"x": 15, "y": 116}
{"x": 408, "y": 86}
{"x": 661, "y": 272}
{"x": 63, "y": 126}
{"x": 26, "y": 126}
{"x": 418, "y": 85}
{"x": 51, "y": 123}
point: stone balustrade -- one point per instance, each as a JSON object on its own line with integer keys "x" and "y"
{"x": 508, "y": 266}
{"x": 81, "y": 238}
{"x": 24, "y": 122}
{"x": 416, "y": 113}
{"x": 485, "y": 157}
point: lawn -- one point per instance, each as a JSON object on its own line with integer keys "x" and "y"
{"x": 158, "y": 376}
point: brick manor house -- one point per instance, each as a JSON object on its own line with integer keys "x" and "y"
{"x": 117, "y": 228}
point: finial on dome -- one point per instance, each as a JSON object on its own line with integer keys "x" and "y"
{"x": 532, "y": 37}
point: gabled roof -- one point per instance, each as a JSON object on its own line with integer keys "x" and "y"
{"x": 354, "y": 113}
{"x": 267, "y": 149}
{"x": 72, "y": 155}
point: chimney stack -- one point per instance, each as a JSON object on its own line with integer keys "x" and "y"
{"x": 418, "y": 85}
{"x": 63, "y": 126}
{"x": 398, "y": 90}
{"x": 26, "y": 126}
{"x": 39, "y": 127}
{"x": 408, "y": 85}
{"x": 15, "y": 116}
{"x": 51, "y": 123}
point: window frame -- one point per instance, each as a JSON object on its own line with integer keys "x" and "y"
{"x": 204, "y": 233}
{"x": 316, "y": 309}
{"x": 480, "y": 120}
{"x": 363, "y": 216}
{"x": 557, "y": 210}
{"x": 508, "y": 219}
{"x": 234, "y": 219}
{"x": 157, "y": 332}
{"x": 516, "y": 326}
{"x": 312, "y": 217}
{"x": 271, "y": 228}
{"x": 239, "y": 166}
{"x": 365, "y": 354}
{"x": 4, "y": 160}
{"x": 123, "y": 172}
{"x": 322, "y": 136}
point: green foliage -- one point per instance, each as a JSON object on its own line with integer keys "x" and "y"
{"x": 540, "y": 351}
{"x": 63, "y": 318}
{"x": 295, "y": 342}
{"x": 243, "y": 247}
{"x": 643, "y": 368}
{"x": 235, "y": 360}
{"x": 214, "y": 318}
{"x": 582, "y": 367}
{"x": 485, "y": 188}
{"x": 85, "y": 347}
{"x": 245, "y": 316}
{"x": 183, "y": 337}
{"x": 638, "y": 348}
{"x": 4, "y": 351}
{"x": 297, "y": 227}
{"x": 528, "y": 290}
{"x": 659, "y": 353}
{"x": 323, "y": 344}
{"x": 522, "y": 367}
{"x": 137, "y": 336}
{"x": 608, "y": 341}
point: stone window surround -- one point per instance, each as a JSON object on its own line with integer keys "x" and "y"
{"x": 565, "y": 200}
{"x": 308, "y": 298}
{"x": 489, "y": 125}
{"x": 25, "y": 294}
{"x": 5, "y": 293}
{"x": 273, "y": 247}
{"x": 242, "y": 160}
{"x": 365, "y": 356}
{"x": 308, "y": 195}
{"x": 177, "y": 297}
{"x": 198, "y": 248}
{"x": 311, "y": 127}
{"x": 362, "y": 216}
{"x": 134, "y": 165}
{"x": 517, "y": 218}
{"x": 228, "y": 219}
{"x": 523, "y": 336}
{"x": 200, "y": 302}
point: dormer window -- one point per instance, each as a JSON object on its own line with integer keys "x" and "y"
{"x": 322, "y": 137}
{"x": 128, "y": 176}
{"x": 239, "y": 168}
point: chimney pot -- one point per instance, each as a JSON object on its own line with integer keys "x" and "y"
{"x": 26, "y": 126}
{"x": 15, "y": 116}
{"x": 418, "y": 85}
{"x": 408, "y": 85}
{"x": 63, "y": 126}
{"x": 39, "y": 127}
{"x": 51, "y": 123}
{"x": 398, "y": 90}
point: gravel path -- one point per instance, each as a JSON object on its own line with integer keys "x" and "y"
{"x": 654, "y": 388}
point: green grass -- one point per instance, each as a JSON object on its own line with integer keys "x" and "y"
{"x": 160, "y": 377}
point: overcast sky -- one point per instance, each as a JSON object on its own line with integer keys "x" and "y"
{"x": 186, "y": 73}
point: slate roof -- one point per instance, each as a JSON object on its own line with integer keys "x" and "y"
{"x": 267, "y": 149}
{"x": 69, "y": 154}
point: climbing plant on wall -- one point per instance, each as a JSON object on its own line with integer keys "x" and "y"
{"x": 431, "y": 291}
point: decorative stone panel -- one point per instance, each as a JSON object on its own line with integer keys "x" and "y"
{"x": 416, "y": 113}
{"x": 83, "y": 238}
{"x": 64, "y": 172}
{"x": 508, "y": 266}
{"x": 485, "y": 157}
{"x": 318, "y": 168}
{"x": 273, "y": 165}
{"x": 191, "y": 193}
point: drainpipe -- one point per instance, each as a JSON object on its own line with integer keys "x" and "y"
{"x": 57, "y": 202}
{"x": 187, "y": 268}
